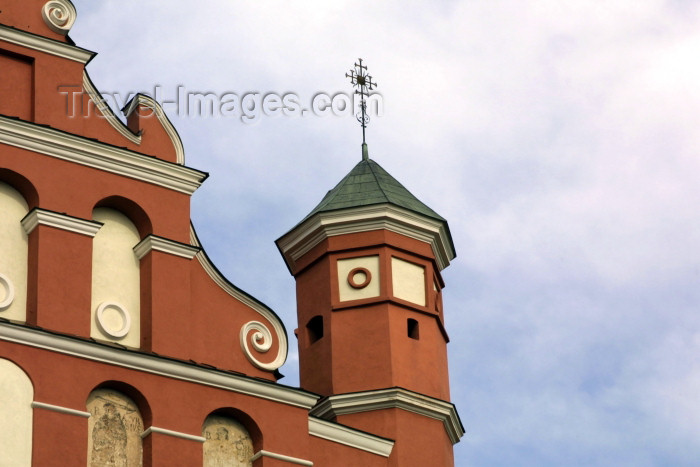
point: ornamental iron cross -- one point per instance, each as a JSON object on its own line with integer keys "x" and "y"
{"x": 363, "y": 84}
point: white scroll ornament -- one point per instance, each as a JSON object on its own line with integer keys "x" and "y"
{"x": 262, "y": 343}
{"x": 59, "y": 15}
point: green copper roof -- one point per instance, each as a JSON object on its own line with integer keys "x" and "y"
{"x": 366, "y": 184}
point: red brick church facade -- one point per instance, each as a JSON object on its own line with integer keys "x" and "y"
{"x": 122, "y": 345}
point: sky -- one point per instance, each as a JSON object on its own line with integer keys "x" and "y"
{"x": 559, "y": 139}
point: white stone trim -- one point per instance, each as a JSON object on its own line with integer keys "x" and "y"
{"x": 249, "y": 301}
{"x": 6, "y": 284}
{"x": 394, "y": 398}
{"x": 126, "y": 319}
{"x": 261, "y": 339}
{"x": 63, "y": 410}
{"x": 46, "y": 45}
{"x": 281, "y": 457}
{"x": 156, "y": 365}
{"x": 176, "y": 434}
{"x": 106, "y": 111}
{"x": 321, "y": 226}
{"x": 38, "y": 216}
{"x": 350, "y": 437}
{"x": 98, "y": 155}
{"x": 164, "y": 245}
{"x": 59, "y": 15}
{"x": 150, "y": 103}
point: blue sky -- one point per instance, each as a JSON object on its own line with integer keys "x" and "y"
{"x": 560, "y": 141}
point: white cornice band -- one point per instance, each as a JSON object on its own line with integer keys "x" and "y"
{"x": 63, "y": 410}
{"x": 249, "y": 301}
{"x": 98, "y": 155}
{"x": 57, "y": 220}
{"x": 393, "y": 398}
{"x": 321, "y": 226}
{"x": 175, "y": 434}
{"x": 106, "y": 111}
{"x": 350, "y": 437}
{"x": 281, "y": 457}
{"x": 145, "y": 101}
{"x": 44, "y": 44}
{"x": 171, "y": 247}
{"x": 156, "y": 365}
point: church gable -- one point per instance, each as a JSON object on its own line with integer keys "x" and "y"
{"x": 125, "y": 345}
{"x": 45, "y": 81}
{"x": 110, "y": 226}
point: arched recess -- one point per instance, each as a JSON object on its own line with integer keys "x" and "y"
{"x": 21, "y": 184}
{"x": 116, "y": 281}
{"x": 231, "y": 439}
{"x": 114, "y": 429}
{"x": 15, "y": 415}
{"x": 132, "y": 210}
{"x": 13, "y": 254}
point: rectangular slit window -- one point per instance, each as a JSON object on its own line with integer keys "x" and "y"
{"x": 413, "y": 329}
{"x": 314, "y": 329}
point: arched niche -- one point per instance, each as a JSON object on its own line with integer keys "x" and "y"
{"x": 15, "y": 415}
{"x": 13, "y": 255}
{"x": 227, "y": 442}
{"x": 131, "y": 209}
{"x": 22, "y": 185}
{"x": 114, "y": 430}
{"x": 116, "y": 281}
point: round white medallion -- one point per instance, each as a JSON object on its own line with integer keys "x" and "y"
{"x": 113, "y": 319}
{"x": 7, "y": 292}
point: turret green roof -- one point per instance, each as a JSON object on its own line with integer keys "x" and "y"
{"x": 366, "y": 184}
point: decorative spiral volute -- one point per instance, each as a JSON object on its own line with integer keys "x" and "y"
{"x": 259, "y": 336}
{"x": 59, "y": 15}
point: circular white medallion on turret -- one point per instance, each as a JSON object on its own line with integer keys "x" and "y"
{"x": 113, "y": 319}
{"x": 7, "y": 292}
{"x": 59, "y": 15}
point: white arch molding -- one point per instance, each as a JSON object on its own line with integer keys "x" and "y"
{"x": 8, "y": 296}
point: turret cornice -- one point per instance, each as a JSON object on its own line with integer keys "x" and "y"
{"x": 322, "y": 225}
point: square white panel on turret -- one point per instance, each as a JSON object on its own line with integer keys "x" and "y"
{"x": 358, "y": 278}
{"x": 408, "y": 281}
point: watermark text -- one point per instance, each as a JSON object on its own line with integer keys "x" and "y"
{"x": 249, "y": 107}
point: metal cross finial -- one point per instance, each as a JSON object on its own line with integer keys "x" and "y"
{"x": 363, "y": 84}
